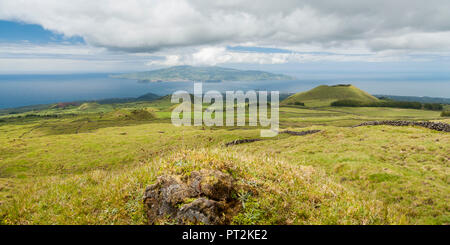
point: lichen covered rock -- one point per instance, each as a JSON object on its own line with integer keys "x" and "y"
{"x": 202, "y": 197}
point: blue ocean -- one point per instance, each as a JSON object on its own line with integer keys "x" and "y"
{"x": 23, "y": 90}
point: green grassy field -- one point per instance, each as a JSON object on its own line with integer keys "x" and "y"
{"x": 90, "y": 165}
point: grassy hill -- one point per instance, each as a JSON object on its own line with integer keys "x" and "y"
{"x": 88, "y": 106}
{"x": 85, "y": 106}
{"x": 204, "y": 74}
{"x": 324, "y": 95}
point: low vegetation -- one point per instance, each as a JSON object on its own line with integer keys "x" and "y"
{"x": 389, "y": 103}
{"x": 433, "y": 106}
{"x": 296, "y": 103}
{"x": 90, "y": 164}
{"x": 393, "y": 104}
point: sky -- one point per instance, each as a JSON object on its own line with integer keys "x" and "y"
{"x": 67, "y": 36}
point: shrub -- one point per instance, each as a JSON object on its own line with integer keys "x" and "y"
{"x": 400, "y": 104}
{"x": 140, "y": 114}
{"x": 432, "y": 106}
{"x": 394, "y": 104}
{"x": 348, "y": 103}
{"x": 40, "y": 116}
{"x": 342, "y": 85}
{"x": 445, "y": 114}
{"x": 297, "y": 103}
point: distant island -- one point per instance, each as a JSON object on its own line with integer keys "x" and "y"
{"x": 202, "y": 74}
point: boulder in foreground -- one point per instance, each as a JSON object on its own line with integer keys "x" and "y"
{"x": 203, "y": 197}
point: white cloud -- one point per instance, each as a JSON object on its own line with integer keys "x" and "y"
{"x": 26, "y": 48}
{"x": 219, "y": 55}
{"x": 125, "y": 35}
{"x": 141, "y": 25}
{"x": 435, "y": 41}
{"x": 27, "y": 57}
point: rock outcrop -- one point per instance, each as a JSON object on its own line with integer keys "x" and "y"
{"x": 295, "y": 133}
{"x": 203, "y": 197}
{"x": 439, "y": 126}
{"x": 300, "y": 133}
{"x": 237, "y": 142}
